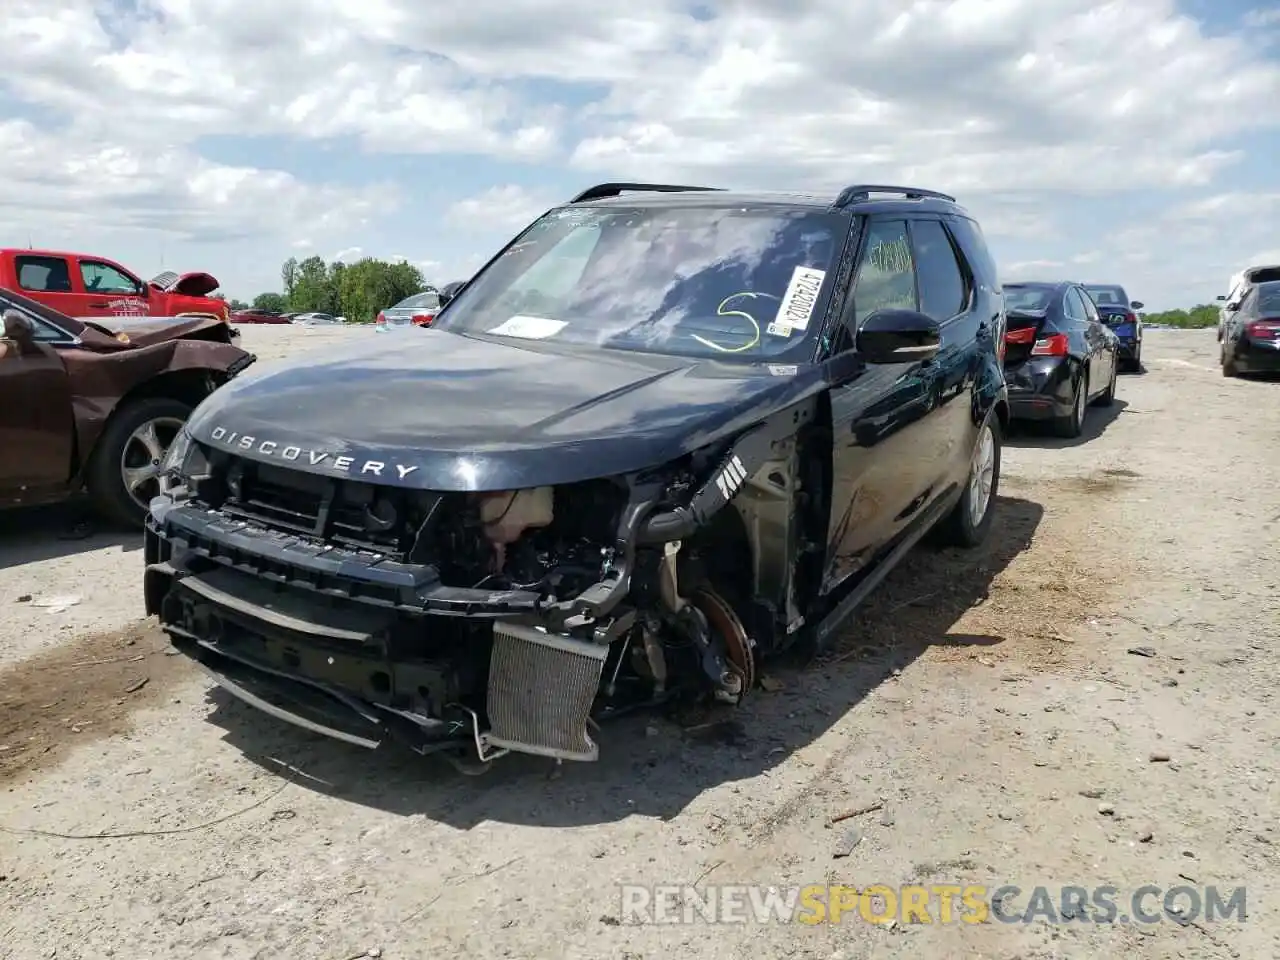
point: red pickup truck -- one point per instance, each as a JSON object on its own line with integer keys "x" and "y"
{"x": 80, "y": 285}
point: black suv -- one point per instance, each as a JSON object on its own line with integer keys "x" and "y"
{"x": 665, "y": 432}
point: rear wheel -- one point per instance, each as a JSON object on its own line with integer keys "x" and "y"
{"x": 1228, "y": 365}
{"x": 1072, "y": 425}
{"x": 1135, "y": 365}
{"x": 1108, "y": 396}
{"x": 124, "y": 473}
{"x": 968, "y": 522}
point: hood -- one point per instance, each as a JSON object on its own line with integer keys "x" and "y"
{"x": 145, "y": 331}
{"x": 453, "y": 412}
{"x": 195, "y": 284}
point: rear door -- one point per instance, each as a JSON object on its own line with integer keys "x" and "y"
{"x": 110, "y": 290}
{"x": 945, "y": 281}
{"x": 1085, "y": 337}
{"x": 37, "y": 430}
{"x": 49, "y": 279}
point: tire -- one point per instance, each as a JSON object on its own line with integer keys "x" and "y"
{"x": 1108, "y": 397}
{"x": 1135, "y": 365}
{"x": 1072, "y": 425}
{"x": 1228, "y": 365}
{"x": 123, "y": 444}
{"x": 960, "y": 528}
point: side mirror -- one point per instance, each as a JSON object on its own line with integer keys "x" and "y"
{"x": 898, "y": 336}
{"x": 1137, "y": 304}
{"x": 18, "y": 328}
{"x": 450, "y": 290}
{"x": 1233, "y": 306}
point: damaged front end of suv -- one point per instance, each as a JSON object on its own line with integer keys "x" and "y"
{"x": 558, "y": 504}
{"x": 473, "y": 623}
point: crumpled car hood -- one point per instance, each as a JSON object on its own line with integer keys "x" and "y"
{"x": 194, "y": 284}
{"x": 103, "y": 370}
{"x": 453, "y": 412}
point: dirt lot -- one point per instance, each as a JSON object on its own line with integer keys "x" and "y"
{"x": 1088, "y": 701}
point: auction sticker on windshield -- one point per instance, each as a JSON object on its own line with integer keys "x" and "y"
{"x": 798, "y": 302}
{"x": 530, "y": 328}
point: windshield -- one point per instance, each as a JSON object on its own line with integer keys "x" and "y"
{"x": 1026, "y": 298}
{"x": 725, "y": 282}
{"x": 1108, "y": 296}
{"x": 429, "y": 300}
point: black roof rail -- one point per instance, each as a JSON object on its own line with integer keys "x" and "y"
{"x": 862, "y": 191}
{"x": 601, "y": 190}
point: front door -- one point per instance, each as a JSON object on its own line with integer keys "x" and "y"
{"x": 37, "y": 430}
{"x": 881, "y": 463}
{"x": 109, "y": 291}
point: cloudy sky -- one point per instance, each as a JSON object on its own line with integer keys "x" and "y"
{"x": 1135, "y": 141}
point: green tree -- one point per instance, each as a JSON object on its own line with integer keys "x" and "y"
{"x": 271, "y": 302}
{"x": 289, "y": 276}
{"x": 310, "y": 290}
{"x": 370, "y": 285}
{"x": 1197, "y": 318}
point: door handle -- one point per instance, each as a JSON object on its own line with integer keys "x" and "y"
{"x": 99, "y": 303}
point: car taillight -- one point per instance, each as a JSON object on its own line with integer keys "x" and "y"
{"x": 1263, "y": 328}
{"x": 423, "y": 319}
{"x": 1131, "y": 317}
{"x": 382, "y": 317}
{"x": 1052, "y": 346}
{"x": 1025, "y": 335}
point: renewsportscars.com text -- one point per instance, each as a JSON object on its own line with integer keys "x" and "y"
{"x": 935, "y": 903}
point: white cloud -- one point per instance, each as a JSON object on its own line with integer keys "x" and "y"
{"x": 1028, "y": 111}
{"x": 509, "y": 207}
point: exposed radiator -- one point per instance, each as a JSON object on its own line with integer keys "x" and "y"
{"x": 541, "y": 688}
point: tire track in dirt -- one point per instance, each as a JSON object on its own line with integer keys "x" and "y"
{"x": 1013, "y": 601}
{"x": 80, "y": 693}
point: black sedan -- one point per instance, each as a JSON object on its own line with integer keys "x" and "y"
{"x": 1251, "y": 335}
{"x": 1059, "y": 357}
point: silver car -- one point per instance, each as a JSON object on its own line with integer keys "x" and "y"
{"x": 415, "y": 311}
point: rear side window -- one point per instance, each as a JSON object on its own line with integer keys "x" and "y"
{"x": 974, "y": 244}
{"x": 1090, "y": 309}
{"x": 1074, "y": 306}
{"x": 943, "y": 288}
{"x": 43, "y": 274}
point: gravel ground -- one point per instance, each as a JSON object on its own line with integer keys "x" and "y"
{"x": 1086, "y": 701}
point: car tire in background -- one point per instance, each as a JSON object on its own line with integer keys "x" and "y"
{"x": 1228, "y": 365}
{"x": 128, "y": 456}
{"x": 1135, "y": 365}
{"x": 1108, "y": 396}
{"x": 1072, "y": 425}
{"x": 964, "y": 526}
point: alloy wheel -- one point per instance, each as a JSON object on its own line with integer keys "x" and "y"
{"x": 143, "y": 455}
{"x": 981, "y": 475}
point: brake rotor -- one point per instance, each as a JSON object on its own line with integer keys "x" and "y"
{"x": 722, "y": 619}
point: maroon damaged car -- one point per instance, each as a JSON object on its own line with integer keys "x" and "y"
{"x": 92, "y": 405}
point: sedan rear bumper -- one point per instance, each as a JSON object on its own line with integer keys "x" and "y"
{"x": 1040, "y": 388}
{"x": 1257, "y": 356}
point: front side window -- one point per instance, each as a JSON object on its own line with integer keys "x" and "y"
{"x": 103, "y": 278}
{"x": 715, "y": 282}
{"x": 886, "y": 277}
